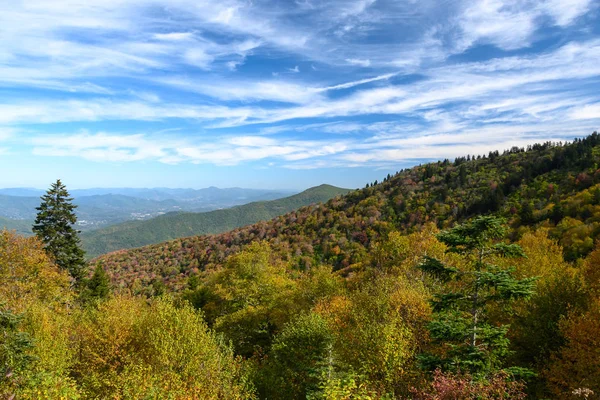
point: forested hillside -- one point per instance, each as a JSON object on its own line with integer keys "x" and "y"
{"x": 472, "y": 279}
{"x": 550, "y": 185}
{"x": 178, "y": 225}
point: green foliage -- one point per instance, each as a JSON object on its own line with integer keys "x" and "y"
{"x": 326, "y": 302}
{"x": 97, "y": 287}
{"x": 54, "y": 227}
{"x": 341, "y": 232}
{"x": 247, "y": 297}
{"x": 176, "y": 225}
{"x": 299, "y": 353}
{"x": 469, "y": 341}
{"x": 15, "y": 356}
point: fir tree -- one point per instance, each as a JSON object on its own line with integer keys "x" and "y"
{"x": 54, "y": 226}
{"x": 98, "y": 286}
{"x": 471, "y": 342}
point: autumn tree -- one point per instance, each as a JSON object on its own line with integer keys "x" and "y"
{"x": 575, "y": 366}
{"x": 470, "y": 341}
{"x": 54, "y": 227}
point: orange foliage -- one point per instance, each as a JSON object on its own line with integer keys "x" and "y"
{"x": 577, "y": 364}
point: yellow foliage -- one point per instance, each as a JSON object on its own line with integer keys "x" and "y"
{"x": 132, "y": 350}
{"x": 27, "y": 275}
{"x": 544, "y": 257}
{"x": 379, "y": 329}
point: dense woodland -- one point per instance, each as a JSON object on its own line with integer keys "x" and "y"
{"x": 364, "y": 297}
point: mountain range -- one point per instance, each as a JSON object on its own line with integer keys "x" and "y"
{"x": 177, "y": 225}
{"x": 106, "y": 206}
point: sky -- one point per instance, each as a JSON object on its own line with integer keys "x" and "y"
{"x": 284, "y": 94}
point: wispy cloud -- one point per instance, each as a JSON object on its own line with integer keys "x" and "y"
{"x": 359, "y": 82}
{"x": 510, "y": 24}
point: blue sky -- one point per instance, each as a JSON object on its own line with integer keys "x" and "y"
{"x": 284, "y": 94}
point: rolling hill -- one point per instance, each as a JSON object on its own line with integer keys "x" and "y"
{"x": 554, "y": 186}
{"x": 178, "y": 225}
{"x": 21, "y": 226}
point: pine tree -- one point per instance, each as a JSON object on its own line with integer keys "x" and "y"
{"x": 471, "y": 343}
{"x": 54, "y": 227}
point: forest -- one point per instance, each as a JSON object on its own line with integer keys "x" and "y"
{"x": 477, "y": 278}
{"x": 176, "y": 225}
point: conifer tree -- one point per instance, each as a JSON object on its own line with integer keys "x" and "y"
{"x": 98, "y": 286}
{"x": 54, "y": 227}
{"x": 470, "y": 342}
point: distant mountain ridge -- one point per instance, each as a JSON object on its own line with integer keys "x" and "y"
{"x": 161, "y": 193}
{"x": 22, "y": 227}
{"x": 103, "y": 207}
{"x": 177, "y": 225}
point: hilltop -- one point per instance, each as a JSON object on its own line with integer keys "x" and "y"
{"x": 177, "y": 225}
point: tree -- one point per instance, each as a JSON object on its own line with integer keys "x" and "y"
{"x": 14, "y": 356}
{"x": 98, "y": 286}
{"x": 54, "y": 226}
{"x": 297, "y": 356}
{"x": 470, "y": 342}
{"x": 575, "y": 366}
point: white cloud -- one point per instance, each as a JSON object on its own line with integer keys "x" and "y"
{"x": 500, "y": 22}
{"x": 360, "y": 63}
{"x": 566, "y": 12}
{"x": 175, "y": 36}
{"x": 199, "y": 58}
{"x": 510, "y": 24}
{"x": 6, "y": 133}
{"x": 111, "y": 68}
{"x": 110, "y": 147}
{"x": 590, "y": 111}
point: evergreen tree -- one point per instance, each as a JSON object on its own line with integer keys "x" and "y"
{"x": 98, "y": 286}
{"x": 462, "y": 174}
{"x": 54, "y": 226}
{"x": 526, "y": 213}
{"x": 558, "y": 213}
{"x": 470, "y": 342}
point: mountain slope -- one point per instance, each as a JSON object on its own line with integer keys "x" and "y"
{"x": 553, "y": 185}
{"x": 21, "y": 226}
{"x": 177, "y": 225}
